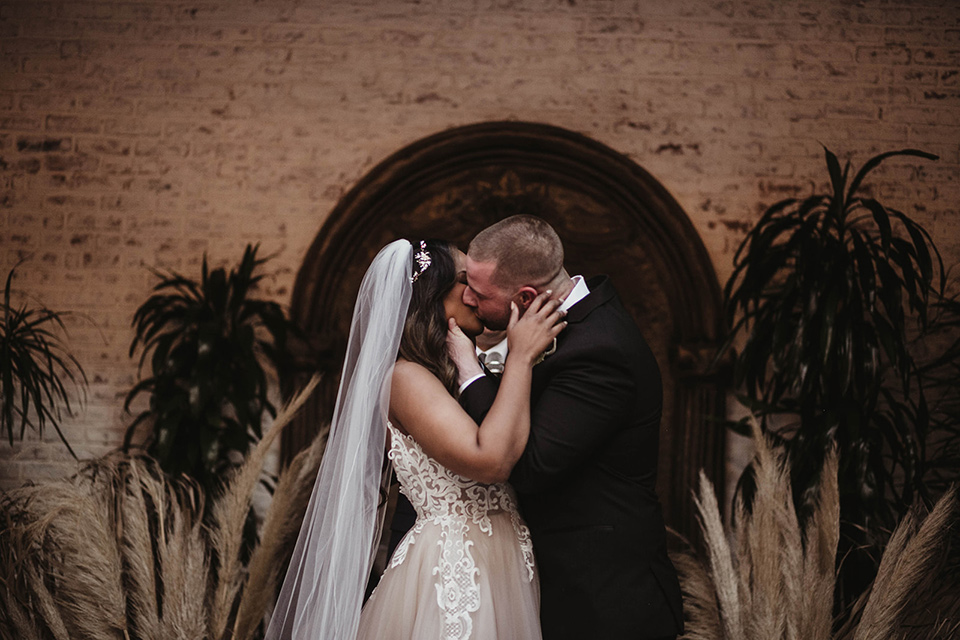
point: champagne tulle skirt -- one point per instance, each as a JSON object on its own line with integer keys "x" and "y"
{"x": 485, "y": 584}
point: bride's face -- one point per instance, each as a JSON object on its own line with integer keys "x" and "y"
{"x": 453, "y": 304}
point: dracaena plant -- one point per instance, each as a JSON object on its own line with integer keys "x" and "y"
{"x": 939, "y": 374}
{"x": 36, "y": 369}
{"x": 210, "y": 346}
{"x": 824, "y": 294}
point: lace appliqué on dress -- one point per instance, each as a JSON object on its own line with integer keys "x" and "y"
{"x": 453, "y": 503}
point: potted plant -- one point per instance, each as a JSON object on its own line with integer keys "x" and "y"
{"x": 938, "y": 369}
{"x": 35, "y": 369}
{"x": 210, "y": 346}
{"x": 824, "y": 291}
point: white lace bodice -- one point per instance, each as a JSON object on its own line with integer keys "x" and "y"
{"x": 461, "y": 508}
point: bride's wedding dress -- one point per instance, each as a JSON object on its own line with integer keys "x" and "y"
{"x": 465, "y": 569}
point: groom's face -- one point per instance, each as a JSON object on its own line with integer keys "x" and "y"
{"x": 489, "y": 301}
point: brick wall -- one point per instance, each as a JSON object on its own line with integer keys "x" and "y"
{"x": 143, "y": 133}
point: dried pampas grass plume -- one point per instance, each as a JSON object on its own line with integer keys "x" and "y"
{"x": 230, "y": 512}
{"x": 780, "y": 583}
{"x": 915, "y": 552}
{"x": 700, "y": 602}
{"x": 279, "y": 536}
{"x": 120, "y": 551}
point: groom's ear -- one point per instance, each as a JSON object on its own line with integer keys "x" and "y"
{"x": 525, "y": 296}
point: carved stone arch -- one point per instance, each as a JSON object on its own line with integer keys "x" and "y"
{"x": 613, "y": 218}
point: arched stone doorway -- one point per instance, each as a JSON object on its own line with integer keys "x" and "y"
{"x": 613, "y": 217}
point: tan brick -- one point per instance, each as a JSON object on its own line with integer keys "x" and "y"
{"x": 274, "y": 12}
{"x": 33, "y": 103}
{"x": 72, "y": 124}
{"x": 98, "y": 29}
{"x": 105, "y": 146}
{"x": 19, "y": 123}
{"x": 928, "y": 116}
{"x": 928, "y": 14}
{"x": 853, "y": 110}
{"x": 940, "y": 57}
{"x": 87, "y": 10}
{"x": 946, "y": 95}
{"x": 81, "y": 162}
{"x": 167, "y": 33}
{"x": 915, "y": 75}
{"x": 75, "y": 85}
{"x": 72, "y": 202}
{"x": 51, "y": 65}
{"x": 913, "y": 36}
{"x": 937, "y": 133}
{"x": 286, "y": 33}
{"x": 142, "y": 12}
{"x": 132, "y": 126}
{"x": 106, "y": 104}
{"x": 25, "y": 83}
{"x": 47, "y": 28}
{"x": 226, "y": 33}
{"x": 28, "y": 10}
{"x": 43, "y": 144}
{"x": 30, "y": 46}
{"x": 887, "y": 55}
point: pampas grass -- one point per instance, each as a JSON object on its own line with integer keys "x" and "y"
{"x": 230, "y": 512}
{"x": 66, "y": 559}
{"x": 280, "y": 531}
{"x": 120, "y": 551}
{"x": 914, "y": 555}
{"x": 780, "y": 582}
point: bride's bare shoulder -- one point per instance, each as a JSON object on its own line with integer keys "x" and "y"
{"x": 414, "y": 392}
{"x": 411, "y": 372}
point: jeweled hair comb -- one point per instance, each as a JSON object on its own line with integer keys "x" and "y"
{"x": 423, "y": 260}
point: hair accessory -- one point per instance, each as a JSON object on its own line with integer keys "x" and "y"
{"x": 423, "y": 261}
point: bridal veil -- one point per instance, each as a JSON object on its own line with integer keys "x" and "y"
{"x": 323, "y": 590}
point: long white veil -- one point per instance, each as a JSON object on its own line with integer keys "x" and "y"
{"x": 324, "y": 586}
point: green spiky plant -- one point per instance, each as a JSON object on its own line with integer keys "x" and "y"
{"x": 35, "y": 369}
{"x": 939, "y": 375}
{"x": 210, "y": 345}
{"x": 824, "y": 290}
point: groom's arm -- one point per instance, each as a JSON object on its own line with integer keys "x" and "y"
{"x": 478, "y": 396}
{"x": 581, "y": 408}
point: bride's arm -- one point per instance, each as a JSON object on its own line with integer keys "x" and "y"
{"x": 423, "y": 407}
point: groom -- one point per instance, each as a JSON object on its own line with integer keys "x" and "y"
{"x": 586, "y": 479}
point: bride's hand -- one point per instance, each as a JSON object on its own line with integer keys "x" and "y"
{"x": 530, "y": 335}
{"x": 463, "y": 352}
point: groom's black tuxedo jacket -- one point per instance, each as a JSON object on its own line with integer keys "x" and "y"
{"x": 585, "y": 482}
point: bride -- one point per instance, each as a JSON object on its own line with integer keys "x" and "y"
{"x": 465, "y": 570}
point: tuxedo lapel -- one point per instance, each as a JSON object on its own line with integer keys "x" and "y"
{"x": 601, "y": 292}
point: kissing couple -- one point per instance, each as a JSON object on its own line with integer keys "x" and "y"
{"x": 536, "y": 515}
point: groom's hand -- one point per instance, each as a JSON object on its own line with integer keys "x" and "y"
{"x": 463, "y": 353}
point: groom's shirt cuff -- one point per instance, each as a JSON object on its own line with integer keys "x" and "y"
{"x": 470, "y": 381}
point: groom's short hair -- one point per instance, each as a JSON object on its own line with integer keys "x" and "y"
{"x": 526, "y": 250}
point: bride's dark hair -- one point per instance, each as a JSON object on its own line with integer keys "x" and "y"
{"x": 424, "y": 338}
